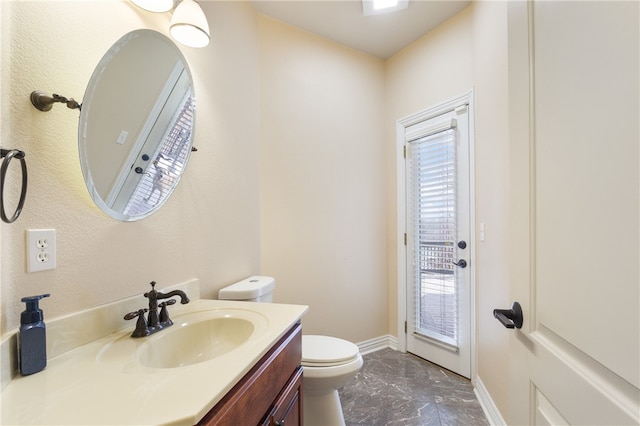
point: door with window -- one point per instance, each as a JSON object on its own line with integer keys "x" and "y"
{"x": 438, "y": 237}
{"x": 574, "y": 103}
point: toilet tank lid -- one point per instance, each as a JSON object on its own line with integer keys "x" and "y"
{"x": 249, "y": 288}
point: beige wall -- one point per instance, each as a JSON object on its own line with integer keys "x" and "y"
{"x": 467, "y": 52}
{"x": 209, "y": 229}
{"x": 323, "y": 181}
{"x": 492, "y": 199}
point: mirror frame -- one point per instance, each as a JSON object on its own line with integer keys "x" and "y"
{"x": 124, "y": 99}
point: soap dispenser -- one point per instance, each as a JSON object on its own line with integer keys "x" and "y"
{"x": 32, "y": 342}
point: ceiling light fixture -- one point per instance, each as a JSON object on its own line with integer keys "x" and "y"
{"x": 188, "y": 25}
{"x": 157, "y": 6}
{"x": 384, "y": 4}
{"x": 377, "y": 7}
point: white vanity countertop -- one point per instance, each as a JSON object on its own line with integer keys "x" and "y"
{"x": 93, "y": 385}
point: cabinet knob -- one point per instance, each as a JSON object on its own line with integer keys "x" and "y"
{"x": 273, "y": 422}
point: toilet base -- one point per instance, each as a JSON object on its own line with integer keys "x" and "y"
{"x": 322, "y": 409}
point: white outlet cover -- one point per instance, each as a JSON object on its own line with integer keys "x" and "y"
{"x": 41, "y": 249}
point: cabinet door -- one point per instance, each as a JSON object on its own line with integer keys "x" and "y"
{"x": 252, "y": 399}
{"x": 287, "y": 410}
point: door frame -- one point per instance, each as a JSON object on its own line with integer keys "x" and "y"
{"x": 401, "y": 125}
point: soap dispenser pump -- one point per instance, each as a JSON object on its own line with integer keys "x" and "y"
{"x": 32, "y": 342}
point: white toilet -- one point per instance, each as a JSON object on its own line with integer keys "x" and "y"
{"x": 328, "y": 362}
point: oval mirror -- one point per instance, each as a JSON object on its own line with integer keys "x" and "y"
{"x": 136, "y": 125}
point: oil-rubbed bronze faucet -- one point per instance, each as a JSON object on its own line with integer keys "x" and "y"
{"x": 155, "y": 322}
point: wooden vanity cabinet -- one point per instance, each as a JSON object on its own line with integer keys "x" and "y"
{"x": 270, "y": 393}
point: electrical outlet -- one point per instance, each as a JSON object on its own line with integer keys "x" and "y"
{"x": 41, "y": 249}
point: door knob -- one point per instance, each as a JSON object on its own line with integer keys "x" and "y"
{"x": 461, "y": 263}
{"x": 510, "y": 318}
{"x": 462, "y": 244}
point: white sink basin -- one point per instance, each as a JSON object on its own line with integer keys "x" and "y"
{"x": 191, "y": 342}
{"x": 193, "y": 338}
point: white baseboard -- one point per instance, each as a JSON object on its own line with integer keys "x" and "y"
{"x": 488, "y": 406}
{"x": 378, "y": 343}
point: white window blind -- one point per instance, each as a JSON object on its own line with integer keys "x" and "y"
{"x": 431, "y": 190}
{"x": 168, "y": 165}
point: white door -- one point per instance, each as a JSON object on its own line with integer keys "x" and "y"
{"x": 438, "y": 245}
{"x": 575, "y": 236}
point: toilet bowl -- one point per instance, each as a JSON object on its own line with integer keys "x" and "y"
{"x": 328, "y": 362}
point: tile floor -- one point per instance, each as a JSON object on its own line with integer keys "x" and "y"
{"x": 394, "y": 389}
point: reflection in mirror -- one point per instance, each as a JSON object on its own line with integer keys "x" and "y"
{"x": 136, "y": 125}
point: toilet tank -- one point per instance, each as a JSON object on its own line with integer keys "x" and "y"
{"x": 252, "y": 289}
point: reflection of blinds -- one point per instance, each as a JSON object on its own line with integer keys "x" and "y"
{"x": 177, "y": 137}
{"x": 431, "y": 161}
{"x": 168, "y": 165}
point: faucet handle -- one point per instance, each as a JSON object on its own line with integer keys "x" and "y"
{"x": 141, "y": 325}
{"x": 138, "y": 313}
{"x": 153, "y": 293}
{"x": 164, "y": 313}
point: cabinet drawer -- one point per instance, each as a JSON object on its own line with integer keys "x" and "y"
{"x": 287, "y": 409}
{"x": 252, "y": 398}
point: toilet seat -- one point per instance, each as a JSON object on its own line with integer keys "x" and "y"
{"x": 326, "y": 351}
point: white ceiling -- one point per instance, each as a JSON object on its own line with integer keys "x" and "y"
{"x": 342, "y": 21}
